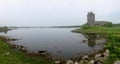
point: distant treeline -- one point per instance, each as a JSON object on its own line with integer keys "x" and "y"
{"x": 116, "y": 24}
{"x": 65, "y": 26}
{"x": 4, "y": 29}
{"x": 14, "y": 27}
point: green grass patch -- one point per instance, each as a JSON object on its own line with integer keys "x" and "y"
{"x": 99, "y": 29}
{"x": 114, "y": 46}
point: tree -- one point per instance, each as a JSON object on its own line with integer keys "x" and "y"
{"x": 109, "y": 24}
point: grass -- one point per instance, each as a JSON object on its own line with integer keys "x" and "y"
{"x": 10, "y": 55}
{"x": 113, "y": 45}
{"x": 113, "y": 40}
{"x": 99, "y": 29}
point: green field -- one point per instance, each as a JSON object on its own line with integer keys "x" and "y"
{"x": 99, "y": 29}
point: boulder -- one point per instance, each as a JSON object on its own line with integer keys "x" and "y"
{"x": 107, "y": 51}
{"x": 76, "y": 62}
{"x": 117, "y": 62}
{"x": 106, "y": 54}
{"x": 69, "y": 62}
{"x": 57, "y": 62}
{"x": 91, "y": 62}
{"x": 81, "y": 61}
{"x": 85, "y": 57}
{"x": 97, "y": 56}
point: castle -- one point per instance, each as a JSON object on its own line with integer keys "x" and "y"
{"x": 91, "y": 20}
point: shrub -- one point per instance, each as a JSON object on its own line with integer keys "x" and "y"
{"x": 109, "y": 24}
{"x": 85, "y": 26}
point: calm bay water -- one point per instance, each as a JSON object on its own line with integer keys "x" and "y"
{"x": 60, "y": 42}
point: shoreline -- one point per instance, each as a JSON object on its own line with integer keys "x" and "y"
{"x": 32, "y": 54}
{"x": 113, "y": 40}
{"x": 18, "y": 57}
{"x": 108, "y": 35}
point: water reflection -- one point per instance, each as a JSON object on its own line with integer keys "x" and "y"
{"x": 4, "y": 31}
{"x": 93, "y": 38}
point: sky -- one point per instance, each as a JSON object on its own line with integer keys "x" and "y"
{"x": 56, "y": 12}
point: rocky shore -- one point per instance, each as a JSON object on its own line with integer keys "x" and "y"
{"x": 95, "y": 58}
{"x": 86, "y": 59}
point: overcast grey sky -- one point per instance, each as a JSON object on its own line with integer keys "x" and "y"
{"x": 56, "y": 12}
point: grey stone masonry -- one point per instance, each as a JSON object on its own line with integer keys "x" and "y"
{"x": 91, "y": 20}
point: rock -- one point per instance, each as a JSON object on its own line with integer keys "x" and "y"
{"x": 13, "y": 46}
{"x": 91, "y": 62}
{"x": 86, "y": 61}
{"x": 107, "y": 51}
{"x": 28, "y": 51}
{"x": 43, "y": 52}
{"x": 76, "y": 62}
{"x": 117, "y": 62}
{"x": 85, "y": 57}
{"x": 69, "y": 62}
{"x": 17, "y": 46}
{"x": 57, "y": 62}
{"x": 96, "y": 62}
{"x": 97, "y": 56}
{"x": 106, "y": 54}
{"x": 102, "y": 55}
{"x": 23, "y": 49}
{"x": 81, "y": 61}
{"x": 84, "y": 41}
{"x": 12, "y": 39}
{"x": 101, "y": 59}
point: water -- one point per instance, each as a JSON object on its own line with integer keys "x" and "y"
{"x": 60, "y": 42}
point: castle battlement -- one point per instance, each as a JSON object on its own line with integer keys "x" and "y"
{"x": 91, "y": 20}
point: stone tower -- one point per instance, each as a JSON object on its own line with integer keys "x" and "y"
{"x": 90, "y": 18}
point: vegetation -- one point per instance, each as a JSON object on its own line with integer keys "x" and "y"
{"x": 99, "y": 29}
{"x": 113, "y": 39}
{"x": 109, "y": 24}
{"x": 4, "y": 29}
{"x": 116, "y": 24}
{"x": 76, "y": 26}
{"x": 10, "y": 55}
{"x": 114, "y": 46}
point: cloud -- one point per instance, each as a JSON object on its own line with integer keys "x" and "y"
{"x": 60, "y": 12}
